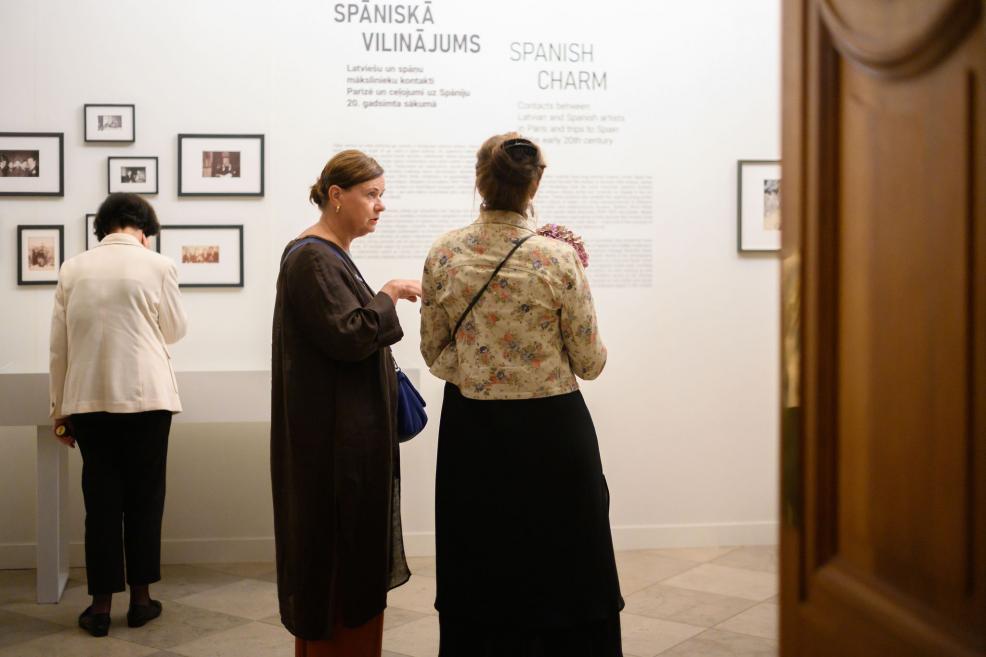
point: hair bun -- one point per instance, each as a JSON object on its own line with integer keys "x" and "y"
{"x": 508, "y": 168}
{"x": 346, "y": 169}
{"x": 317, "y": 196}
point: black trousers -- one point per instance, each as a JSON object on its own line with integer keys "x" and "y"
{"x": 124, "y": 459}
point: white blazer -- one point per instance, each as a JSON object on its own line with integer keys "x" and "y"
{"x": 117, "y": 307}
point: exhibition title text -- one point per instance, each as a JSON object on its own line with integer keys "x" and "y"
{"x": 559, "y": 77}
{"x": 411, "y": 36}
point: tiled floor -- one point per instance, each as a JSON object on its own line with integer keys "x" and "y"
{"x": 700, "y": 602}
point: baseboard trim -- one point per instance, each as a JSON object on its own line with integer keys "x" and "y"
{"x": 173, "y": 551}
{"x": 216, "y": 550}
{"x": 652, "y": 537}
{"x": 18, "y": 555}
{"x": 419, "y": 544}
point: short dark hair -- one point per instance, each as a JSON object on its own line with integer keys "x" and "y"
{"x": 121, "y": 210}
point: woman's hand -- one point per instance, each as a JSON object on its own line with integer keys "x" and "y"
{"x": 402, "y": 289}
{"x": 63, "y": 431}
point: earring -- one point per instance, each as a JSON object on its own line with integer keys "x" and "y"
{"x": 337, "y": 208}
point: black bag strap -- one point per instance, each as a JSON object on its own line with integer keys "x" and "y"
{"x": 496, "y": 271}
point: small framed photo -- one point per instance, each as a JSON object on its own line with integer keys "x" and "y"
{"x": 220, "y": 165}
{"x": 758, "y": 205}
{"x": 91, "y": 240}
{"x": 40, "y": 254}
{"x": 32, "y": 164}
{"x": 206, "y": 256}
{"x": 132, "y": 174}
{"x": 110, "y": 123}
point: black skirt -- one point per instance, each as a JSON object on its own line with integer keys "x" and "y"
{"x": 524, "y": 550}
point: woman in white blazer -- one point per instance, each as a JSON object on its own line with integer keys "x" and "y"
{"x": 113, "y": 391}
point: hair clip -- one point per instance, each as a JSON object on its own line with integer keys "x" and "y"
{"x": 522, "y": 146}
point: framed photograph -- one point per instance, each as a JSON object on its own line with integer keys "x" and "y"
{"x": 132, "y": 174}
{"x": 110, "y": 123}
{"x": 220, "y": 165}
{"x": 758, "y": 205}
{"x": 206, "y": 256}
{"x": 40, "y": 254}
{"x": 32, "y": 164}
{"x": 91, "y": 240}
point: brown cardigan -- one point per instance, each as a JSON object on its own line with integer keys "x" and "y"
{"x": 335, "y": 461}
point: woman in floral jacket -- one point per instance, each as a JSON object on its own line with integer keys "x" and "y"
{"x": 525, "y": 554}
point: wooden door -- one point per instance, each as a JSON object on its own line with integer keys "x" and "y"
{"x": 883, "y": 529}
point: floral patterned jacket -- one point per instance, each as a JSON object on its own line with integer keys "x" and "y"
{"x": 534, "y": 328}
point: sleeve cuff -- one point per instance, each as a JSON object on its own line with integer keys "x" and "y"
{"x": 389, "y": 331}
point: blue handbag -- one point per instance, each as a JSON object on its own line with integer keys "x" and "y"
{"x": 411, "y": 416}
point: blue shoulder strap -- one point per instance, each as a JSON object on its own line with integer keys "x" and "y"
{"x": 345, "y": 261}
{"x": 297, "y": 245}
{"x": 313, "y": 240}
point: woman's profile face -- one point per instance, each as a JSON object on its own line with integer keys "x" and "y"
{"x": 361, "y": 205}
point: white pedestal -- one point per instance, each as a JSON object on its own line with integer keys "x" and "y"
{"x": 52, "y": 518}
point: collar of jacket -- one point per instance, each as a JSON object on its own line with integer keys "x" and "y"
{"x": 119, "y": 238}
{"x": 506, "y": 217}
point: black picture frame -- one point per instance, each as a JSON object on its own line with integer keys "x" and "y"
{"x": 109, "y": 174}
{"x": 741, "y": 246}
{"x": 90, "y": 220}
{"x": 183, "y": 137}
{"x": 60, "y": 191}
{"x": 236, "y": 227}
{"x": 20, "y": 253}
{"x": 92, "y": 139}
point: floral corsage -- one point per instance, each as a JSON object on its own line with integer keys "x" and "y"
{"x": 559, "y": 232}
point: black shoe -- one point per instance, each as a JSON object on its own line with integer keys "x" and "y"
{"x": 94, "y": 624}
{"x": 138, "y": 615}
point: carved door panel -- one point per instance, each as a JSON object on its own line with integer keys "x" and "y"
{"x": 883, "y": 536}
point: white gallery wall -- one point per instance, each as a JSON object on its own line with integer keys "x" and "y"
{"x": 686, "y": 410}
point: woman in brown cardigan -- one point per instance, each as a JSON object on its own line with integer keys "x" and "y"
{"x": 335, "y": 464}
